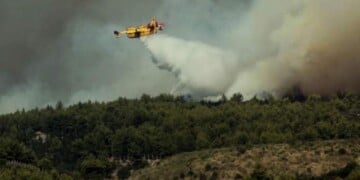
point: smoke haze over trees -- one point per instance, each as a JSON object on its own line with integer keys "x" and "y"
{"x": 53, "y": 51}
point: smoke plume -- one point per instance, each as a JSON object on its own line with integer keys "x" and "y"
{"x": 312, "y": 45}
{"x": 64, "y": 51}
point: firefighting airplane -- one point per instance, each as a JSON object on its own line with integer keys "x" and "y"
{"x": 144, "y": 30}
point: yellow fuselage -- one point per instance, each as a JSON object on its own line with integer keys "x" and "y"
{"x": 136, "y": 32}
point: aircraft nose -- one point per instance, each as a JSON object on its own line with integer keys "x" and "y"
{"x": 116, "y": 33}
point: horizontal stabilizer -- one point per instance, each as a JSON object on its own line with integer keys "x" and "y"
{"x": 117, "y": 33}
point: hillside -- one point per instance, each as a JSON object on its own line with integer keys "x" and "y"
{"x": 92, "y": 140}
{"x": 322, "y": 159}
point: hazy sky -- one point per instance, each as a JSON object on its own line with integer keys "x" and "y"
{"x": 64, "y": 50}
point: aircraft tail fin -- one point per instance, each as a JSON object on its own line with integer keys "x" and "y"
{"x": 117, "y": 34}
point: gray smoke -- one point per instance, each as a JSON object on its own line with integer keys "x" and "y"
{"x": 65, "y": 51}
{"x": 280, "y": 44}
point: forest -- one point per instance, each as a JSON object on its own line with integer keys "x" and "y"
{"x": 87, "y": 140}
